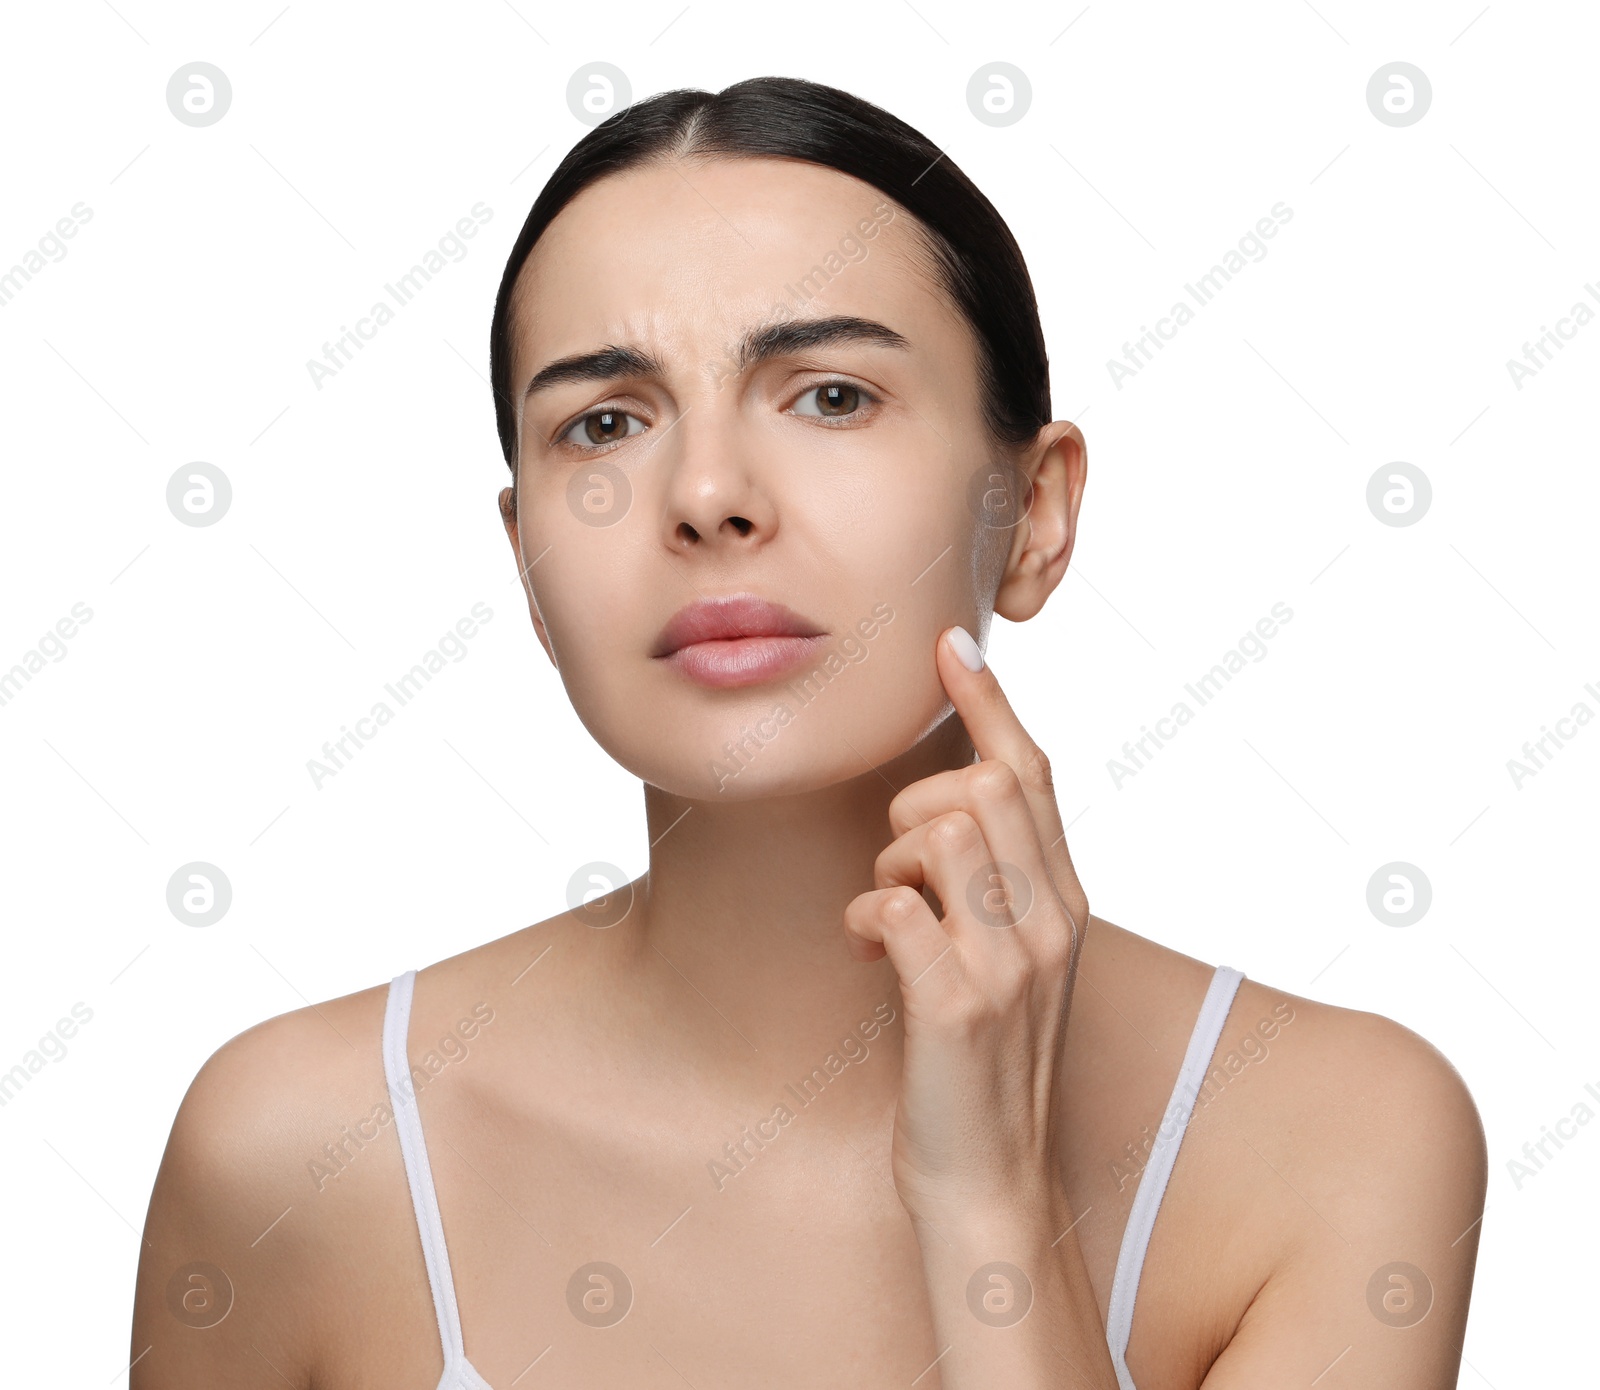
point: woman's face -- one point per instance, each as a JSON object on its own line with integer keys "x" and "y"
{"x": 842, "y": 479}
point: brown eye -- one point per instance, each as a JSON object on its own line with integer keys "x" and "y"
{"x": 838, "y": 398}
{"x": 603, "y": 427}
{"x": 831, "y": 400}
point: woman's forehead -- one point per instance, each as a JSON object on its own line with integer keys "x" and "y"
{"x": 762, "y": 204}
{"x": 685, "y": 250}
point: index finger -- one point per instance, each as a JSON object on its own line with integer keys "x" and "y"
{"x": 996, "y": 732}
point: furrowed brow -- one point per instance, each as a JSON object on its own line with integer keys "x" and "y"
{"x": 604, "y": 364}
{"x": 760, "y": 344}
{"x": 796, "y": 336}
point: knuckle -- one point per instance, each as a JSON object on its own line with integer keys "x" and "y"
{"x": 897, "y": 905}
{"x": 954, "y": 831}
{"x": 993, "y": 780}
{"x": 1075, "y": 908}
{"x": 1004, "y": 894}
{"x": 902, "y": 814}
{"x": 858, "y": 911}
{"x": 887, "y": 858}
{"x": 1033, "y": 770}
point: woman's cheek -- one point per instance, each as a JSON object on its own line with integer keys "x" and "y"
{"x": 591, "y": 626}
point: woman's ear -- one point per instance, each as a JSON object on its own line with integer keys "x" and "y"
{"x": 508, "y": 518}
{"x": 1055, "y": 469}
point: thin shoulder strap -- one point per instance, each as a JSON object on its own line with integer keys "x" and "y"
{"x": 1163, "y": 1154}
{"x": 419, "y": 1176}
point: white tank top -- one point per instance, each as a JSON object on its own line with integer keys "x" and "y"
{"x": 460, "y": 1374}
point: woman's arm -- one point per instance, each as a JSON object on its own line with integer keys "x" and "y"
{"x": 1385, "y": 1162}
{"x": 218, "y": 1300}
{"x": 986, "y": 987}
{"x": 1011, "y": 1298}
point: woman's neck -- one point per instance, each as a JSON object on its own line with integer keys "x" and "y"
{"x": 746, "y": 900}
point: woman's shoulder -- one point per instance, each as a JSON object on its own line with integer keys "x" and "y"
{"x": 250, "y": 1220}
{"x": 286, "y": 1077}
{"x": 1333, "y": 1158}
{"x": 1305, "y": 1094}
{"x": 1357, "y": 1107}
{"x": 1324, "y": 1056}
{"x": 282, "y": 1185}
{"x": 280, "y": 1076}
{"x": 1329, "y": 1141}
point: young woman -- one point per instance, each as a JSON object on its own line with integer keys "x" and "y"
{"x": 803, "y": 1105}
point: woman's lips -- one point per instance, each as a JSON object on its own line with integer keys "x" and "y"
{"x": 736, "y": 639}
{"x": 734, "y": 661}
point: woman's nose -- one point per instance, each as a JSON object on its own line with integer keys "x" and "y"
{"x": 714, "y": 496}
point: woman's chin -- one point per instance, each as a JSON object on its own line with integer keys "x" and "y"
{"x": 757, "y": 764}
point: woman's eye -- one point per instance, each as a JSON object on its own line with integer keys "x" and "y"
{"x": 831, "y": 400}
{"x": 602, "y": 427}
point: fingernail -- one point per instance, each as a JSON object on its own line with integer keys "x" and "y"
{"x": 962, "y": 644}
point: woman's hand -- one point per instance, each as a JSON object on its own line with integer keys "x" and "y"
{"x": 985, "y": 987}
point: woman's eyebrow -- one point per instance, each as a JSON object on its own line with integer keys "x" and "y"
{"x": 758, "y": 345}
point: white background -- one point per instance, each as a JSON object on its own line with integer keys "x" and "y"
{"x": 1229, "y": 474}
